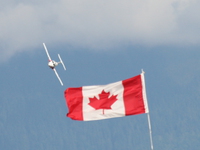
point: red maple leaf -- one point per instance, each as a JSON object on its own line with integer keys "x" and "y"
{"x": 104, "y": 102}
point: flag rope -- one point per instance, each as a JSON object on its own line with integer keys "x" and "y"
{"x": 148, "y": 115}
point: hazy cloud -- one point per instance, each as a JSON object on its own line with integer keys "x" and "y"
{"x": 97, "y": 24}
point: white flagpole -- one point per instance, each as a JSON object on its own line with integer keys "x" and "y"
{"x": 147, "y": 109}
{"x": 150, "y": 131}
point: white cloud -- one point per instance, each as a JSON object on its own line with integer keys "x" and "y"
{"x": 97, "y": 24}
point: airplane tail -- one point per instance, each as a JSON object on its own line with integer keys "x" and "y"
{"x": 61, "y": 62}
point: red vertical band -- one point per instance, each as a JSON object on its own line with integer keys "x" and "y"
{"x": 74, "y": 100}
{"x": 133, "y": 98}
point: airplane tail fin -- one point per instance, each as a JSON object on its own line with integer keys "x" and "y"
{"x": 61, "y": 62}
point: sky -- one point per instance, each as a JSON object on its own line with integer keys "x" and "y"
{"x": 100, "y": 42}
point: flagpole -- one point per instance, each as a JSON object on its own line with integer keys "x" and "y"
{"x": 150, "y": 131}
{"x": 147, "y": 109}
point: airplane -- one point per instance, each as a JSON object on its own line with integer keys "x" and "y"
{"x": 52, "y": 64}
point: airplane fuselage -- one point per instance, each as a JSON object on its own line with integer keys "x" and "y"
{"x": 52, "y": 64}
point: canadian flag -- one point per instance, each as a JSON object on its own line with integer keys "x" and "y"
{"x": 123, "y": 98}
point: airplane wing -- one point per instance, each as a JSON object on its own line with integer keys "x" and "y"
{"x": 58, "y": 76}
{"x": 46, "y": 51}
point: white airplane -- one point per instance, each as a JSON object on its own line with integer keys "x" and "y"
{"x": 52, "y": 64}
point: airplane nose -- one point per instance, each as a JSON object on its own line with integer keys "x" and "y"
{"x": 50, "y": 64}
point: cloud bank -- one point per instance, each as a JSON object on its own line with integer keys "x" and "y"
{"x": 97, "y": 25}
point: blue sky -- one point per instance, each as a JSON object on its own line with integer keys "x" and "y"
{"x": 100, "y": 42}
